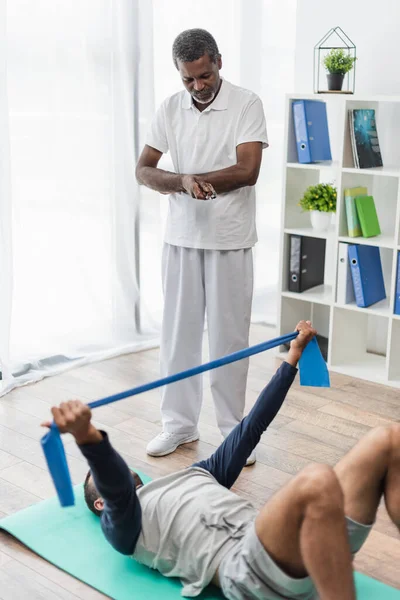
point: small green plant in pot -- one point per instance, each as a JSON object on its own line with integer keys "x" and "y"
{"x": 320, "y": 201}
{"x": 337, "y": 63}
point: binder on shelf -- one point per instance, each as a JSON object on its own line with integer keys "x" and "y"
{"x": 397, "y": 297}
{"x": 345, "y": 290}
{"x": 364, "y": 138}
{"x": 367, "y": 275}
{"x": 311, "y": 131}
{"x": 306, "y": 262}
{"x": 353, "y": 139}
{"x": 353, "y": 222}
{"x": 367, "y": 215}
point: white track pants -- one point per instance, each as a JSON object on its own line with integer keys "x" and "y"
{"x": 219, "y": 284}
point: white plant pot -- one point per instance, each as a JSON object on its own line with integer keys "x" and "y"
{"x": 320, "y": 220}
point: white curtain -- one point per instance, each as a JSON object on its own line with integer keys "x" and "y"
{"x": 69, "y": 204}
{"x": 257, "y": 42}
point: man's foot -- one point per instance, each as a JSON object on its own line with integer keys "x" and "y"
{"x": 251, "y": 460}
{"x": 165, "y": 443}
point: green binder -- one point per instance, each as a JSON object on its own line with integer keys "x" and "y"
{"x": 367, "y": 214}
{"x": 353, "y": 223}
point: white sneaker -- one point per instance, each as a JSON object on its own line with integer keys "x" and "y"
{"x": 251, "y": 460}
{"x": 165, "y": 443}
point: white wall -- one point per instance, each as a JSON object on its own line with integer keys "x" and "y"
{"x": 372, "y": 26}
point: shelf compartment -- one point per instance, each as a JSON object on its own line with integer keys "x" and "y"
{"x": 387, "y": 116}
{"x": 359, "y": 344}
{"x": 321, "y": 294}
{"x": 297, "y": 181}
{"x": 333, "y": 110}
{"x": 385, "y": 192}
{"x": 384, "y": 307}
{"x": 294, "y": 310}
{"x": 370, "y": 367}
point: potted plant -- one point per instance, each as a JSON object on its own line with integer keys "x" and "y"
{"x": 337, "y": 63}
{"x": 320, "y": 201}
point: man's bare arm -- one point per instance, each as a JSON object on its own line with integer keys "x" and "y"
{"x": 244, "y": 173}
{"x": 156, "y": 179}
{"x": 165, "y": 182}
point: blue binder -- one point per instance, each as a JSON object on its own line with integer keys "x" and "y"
{"x": 311, "y": 131}
{"x": 397, "y": 297}
{"x": 367, "y": 275}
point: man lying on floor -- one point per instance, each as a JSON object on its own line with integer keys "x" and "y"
{"x": 189, "y": 525}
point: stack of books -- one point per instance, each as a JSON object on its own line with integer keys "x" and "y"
{"x": 364, "y": 139}
{"x": 362, "y": 218}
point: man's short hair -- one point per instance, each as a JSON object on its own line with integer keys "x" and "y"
{"x": 192, "y": 44}
{"x": 91, "y": 493}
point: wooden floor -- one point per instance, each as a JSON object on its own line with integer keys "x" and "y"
{"x": 313, "y": 425}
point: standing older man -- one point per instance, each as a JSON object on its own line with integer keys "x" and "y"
{"x": 215, "y": 132}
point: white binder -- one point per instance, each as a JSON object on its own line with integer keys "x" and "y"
{"x": 345, "y": 289}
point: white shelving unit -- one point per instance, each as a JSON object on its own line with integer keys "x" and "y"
{"x": 363, "y": 342}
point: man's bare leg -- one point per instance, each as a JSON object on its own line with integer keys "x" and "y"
{"x": 370, "y": 469}
{"x": 303, "y": 529}
{"x": 303, "y": 526}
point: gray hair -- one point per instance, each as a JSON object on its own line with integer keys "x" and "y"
{"x": 192, "y": 44}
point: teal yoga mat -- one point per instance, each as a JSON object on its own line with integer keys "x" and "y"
{"x": 71, "y": 539}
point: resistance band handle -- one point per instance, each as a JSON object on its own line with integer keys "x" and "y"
{"x": 214, "y": 364}
{"x": 57, "y": 464}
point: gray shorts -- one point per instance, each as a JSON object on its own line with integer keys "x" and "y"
{"x": 248, "y": 573}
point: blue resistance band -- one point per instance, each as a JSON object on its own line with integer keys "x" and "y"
{"x": 313, "y": 371}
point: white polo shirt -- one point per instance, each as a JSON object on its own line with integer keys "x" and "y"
{"x": 200, "y": 142}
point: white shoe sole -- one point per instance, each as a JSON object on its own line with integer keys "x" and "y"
{"x": 249, "y": 463}
{"x": 172, "y": 449}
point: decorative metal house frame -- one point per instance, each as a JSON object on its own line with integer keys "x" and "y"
{"x": 321, "y": 50}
